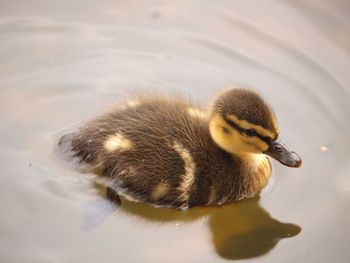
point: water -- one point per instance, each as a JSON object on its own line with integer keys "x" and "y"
{"x": 63, "y": 62}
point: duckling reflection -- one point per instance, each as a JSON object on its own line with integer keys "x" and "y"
{"x": 239, "y": 230}
{"x": 246, "y": 230}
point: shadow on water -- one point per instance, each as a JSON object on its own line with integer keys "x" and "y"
{"x": 239, "y": 230}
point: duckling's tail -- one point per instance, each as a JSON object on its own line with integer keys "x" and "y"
{"x": 65, "y": 143}
{"x": 77, "y": 154}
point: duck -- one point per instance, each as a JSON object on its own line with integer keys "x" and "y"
{"x": 168, "y": 152}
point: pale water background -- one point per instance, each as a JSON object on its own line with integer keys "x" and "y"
{"x": 62, "y": 62}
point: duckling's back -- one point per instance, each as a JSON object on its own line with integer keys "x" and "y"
{"x": 159, "y": 151}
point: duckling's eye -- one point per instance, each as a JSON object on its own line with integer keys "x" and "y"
{"x": 250, "y": 132}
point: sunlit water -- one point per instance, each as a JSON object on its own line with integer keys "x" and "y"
{"x": 63, "y": 62}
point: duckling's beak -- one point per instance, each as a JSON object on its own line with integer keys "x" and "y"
{"x": 283, "y": 155}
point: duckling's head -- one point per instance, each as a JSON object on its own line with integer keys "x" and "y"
{"x": 242, "y": 123}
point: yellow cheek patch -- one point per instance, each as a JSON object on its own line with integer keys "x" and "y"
{"x": 234, "y": 141}
{"x": 117, "y": 142}
{"x": 217, "y": 127}
{"x": 246, "y": 125}
{"x": 255, "y": 142}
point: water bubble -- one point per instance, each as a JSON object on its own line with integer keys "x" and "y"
{"x": 324, "y": 149}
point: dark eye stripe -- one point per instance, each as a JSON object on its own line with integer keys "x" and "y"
{"x": 234, "y": 125}
{"x": 251, "y": 132}
{"x": 242, "y": 130}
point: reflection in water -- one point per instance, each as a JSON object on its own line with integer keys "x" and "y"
{"x": 239, "y": 230}
{"x": 246, "y": 230}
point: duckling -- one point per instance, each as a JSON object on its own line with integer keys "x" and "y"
{"x": 169, "y": 153}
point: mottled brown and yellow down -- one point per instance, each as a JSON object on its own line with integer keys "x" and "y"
{"x": 168, "y": 152}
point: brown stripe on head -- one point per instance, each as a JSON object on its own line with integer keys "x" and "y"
{"x": 247, "y": 125}
{"x": 249, "y": 109}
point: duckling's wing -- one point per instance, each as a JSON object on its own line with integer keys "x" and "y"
{"x": 148, "y": 150}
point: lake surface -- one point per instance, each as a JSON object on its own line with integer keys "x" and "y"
{"x": 63, "y": 62}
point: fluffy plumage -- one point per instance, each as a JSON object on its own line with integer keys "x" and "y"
{"x": 163, "y": 152}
